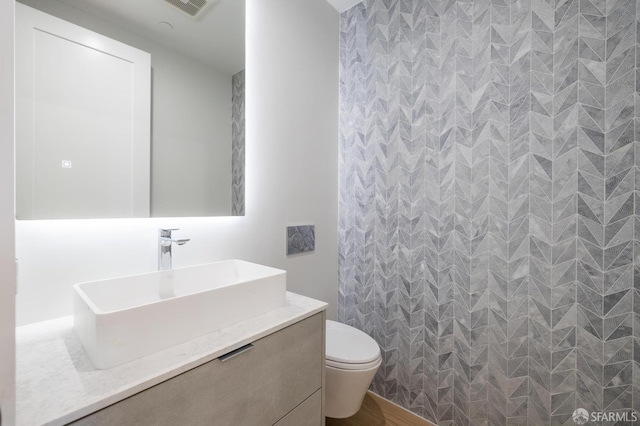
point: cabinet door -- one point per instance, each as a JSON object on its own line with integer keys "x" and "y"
{"x": 309, "y": 413}
{"x": 257, "y": 387}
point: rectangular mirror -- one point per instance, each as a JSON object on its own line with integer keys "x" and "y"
{"x": 129, "y": 108}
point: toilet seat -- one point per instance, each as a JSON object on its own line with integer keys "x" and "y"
{"x": 344, "y": 366}
{"x": 348, "y": 348}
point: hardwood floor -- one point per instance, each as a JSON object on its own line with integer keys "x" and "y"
{"x": 377, "y": 411}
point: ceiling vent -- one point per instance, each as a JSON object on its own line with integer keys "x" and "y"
{"x": 193, "y": 8}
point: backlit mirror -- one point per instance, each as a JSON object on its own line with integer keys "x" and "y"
{"x": 129, "y": 108}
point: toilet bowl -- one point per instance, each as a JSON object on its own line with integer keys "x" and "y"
{"x": 352, "y": 359}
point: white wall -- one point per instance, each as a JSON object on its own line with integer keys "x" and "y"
{"x": 7, "y": 265}
{"x": 191, "y": 122}
{"x": 191, "y": 139}
{"x": 292, "y": 174}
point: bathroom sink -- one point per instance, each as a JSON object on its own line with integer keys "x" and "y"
{"x": 121, "y": 319}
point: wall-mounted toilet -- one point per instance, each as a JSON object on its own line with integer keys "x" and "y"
{"x": 352, "y": 359}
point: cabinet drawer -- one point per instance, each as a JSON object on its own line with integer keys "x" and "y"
{"x": 309, "y": 413}
{"x": 256, "y": 387}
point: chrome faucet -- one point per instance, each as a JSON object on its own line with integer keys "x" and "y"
{"x": 164, "y": 248}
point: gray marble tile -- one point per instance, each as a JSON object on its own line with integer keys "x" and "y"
{"x": 238, "y": 144}
{"x": 526, "y": 219}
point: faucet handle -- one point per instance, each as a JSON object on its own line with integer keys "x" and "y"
{"x": 166, "y": 232}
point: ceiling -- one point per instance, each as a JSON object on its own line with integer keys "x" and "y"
{"x": 342, "y": 5}
{"x": 216, "y": 38}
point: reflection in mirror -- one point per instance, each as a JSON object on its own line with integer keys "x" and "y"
{"x": 91, "y": 143}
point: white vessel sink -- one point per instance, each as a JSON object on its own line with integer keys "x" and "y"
{"x": 121, "y": 319}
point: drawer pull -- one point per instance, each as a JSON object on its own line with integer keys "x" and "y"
{"x": 233, "y": 354}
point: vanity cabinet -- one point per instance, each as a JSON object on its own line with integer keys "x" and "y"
{"x": 278, "y": 380}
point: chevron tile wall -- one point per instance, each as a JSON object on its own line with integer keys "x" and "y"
{"x": 489, "y": 238}
{"x": 237, "y": 144}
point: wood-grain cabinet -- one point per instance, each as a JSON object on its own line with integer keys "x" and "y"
{"x": 275, "y": 381}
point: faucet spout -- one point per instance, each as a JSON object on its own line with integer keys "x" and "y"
{"x": 165, "y": 242}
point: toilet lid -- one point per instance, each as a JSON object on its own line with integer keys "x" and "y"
{"x": 346, "y": 344}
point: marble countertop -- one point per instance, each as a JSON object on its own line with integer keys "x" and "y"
{"x": 57, "y": 384}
